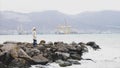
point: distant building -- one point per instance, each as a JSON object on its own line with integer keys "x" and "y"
{"x": 64, "y": 29}
{"x": 20, "y": 30}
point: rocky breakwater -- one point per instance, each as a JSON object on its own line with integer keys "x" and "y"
{"x": 23, "y": 54}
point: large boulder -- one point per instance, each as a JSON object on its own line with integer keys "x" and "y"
{"x": 39, "y": 59}
{"x": 19, "y": 63}
{"x": 32, "y": 51}
{"x": 14, "y": 55}
{"x": 9, "y": 52}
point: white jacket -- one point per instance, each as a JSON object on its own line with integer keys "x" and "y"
{"x": 34, "y": 34}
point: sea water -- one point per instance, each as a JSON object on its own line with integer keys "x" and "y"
{"x": 107, "y": 57}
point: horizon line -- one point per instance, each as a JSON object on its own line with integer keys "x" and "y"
{"x": 55, "y": 11}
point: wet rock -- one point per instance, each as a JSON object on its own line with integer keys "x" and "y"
{"x": 42, "y": 49}
{"x": 32, "y": 52}
{"x": 2, "y": 65}
{"x": 93, "y": 45}
{"x": 9, "y": 52}
{"x": 71, "y": 48}
{"x": 83, "y": 48}
{"x": 20, "y": 63}
{"x": 81, "y": 43}
{"x": 13, "y": 52}
{"x": 75, "y": 56}
{"x": 59, "y": 61}
{"x": 39, "y": 59}
{"x": 62, "y": 56}
{"x": 62, "y": 49}
{"x": 74, "y": 44}
{"x": 73, "y": 61}
{"x": 65, "y": 63}
{"x": 59, "y": 46}
{"x": 39, "y": 66}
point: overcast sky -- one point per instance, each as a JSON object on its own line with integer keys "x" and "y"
{"x": 65, "y": 6}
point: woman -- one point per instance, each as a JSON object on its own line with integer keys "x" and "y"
{"x": 34, "y": 37}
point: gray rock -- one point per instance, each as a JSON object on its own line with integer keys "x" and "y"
{"x": 39, "y": 59}
{"x": 65, "y": 63}
{"x": 59, "y": 61}
{"x": 32, "y": 52}
{"x": 63, "y": 56}
{"x": 74, "y": 44}
{"x": 20, "y": 63}
{"x": 76, "y": 56}
{"x": 2, "y": 65}
{"x": 73, "y": 61}
{"x": 93, "y": 45}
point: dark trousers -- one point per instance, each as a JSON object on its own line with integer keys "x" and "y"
{"x": 34, "y": 42}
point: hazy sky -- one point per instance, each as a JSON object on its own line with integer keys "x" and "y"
{"x": 65, "y": 6}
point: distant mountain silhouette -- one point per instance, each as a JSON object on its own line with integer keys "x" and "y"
{"x": 47, "y": 21}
